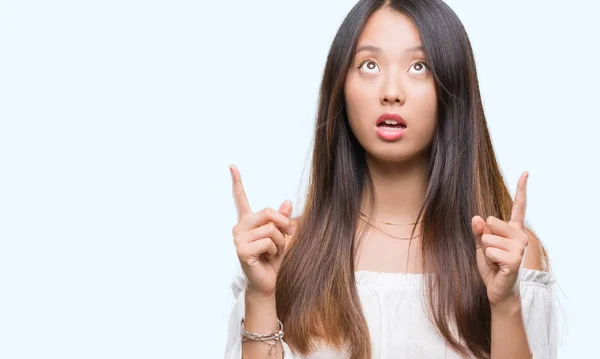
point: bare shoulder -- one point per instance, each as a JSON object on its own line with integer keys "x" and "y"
{"x": 536, "y": 256}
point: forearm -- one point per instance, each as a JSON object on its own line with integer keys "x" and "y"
{"x": 509, "y": 338}
{"x": 261, "y": 318}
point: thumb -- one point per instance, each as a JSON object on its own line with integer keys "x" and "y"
{"x": 478, "y": 227}
{"x": 286, "y": 208}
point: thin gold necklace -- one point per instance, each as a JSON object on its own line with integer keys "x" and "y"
{"x": 390, "y": 223}
{"x": 381, "y": 230}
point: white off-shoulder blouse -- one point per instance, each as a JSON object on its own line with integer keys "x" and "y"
{"x": 394, "y": 308}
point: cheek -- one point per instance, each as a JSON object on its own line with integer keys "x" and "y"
{"x": 426, "y": 102}
{"x": 355, "y": 100}
{"x": 359, "y": 99}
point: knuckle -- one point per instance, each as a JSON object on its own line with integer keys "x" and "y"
{"x": 237, "y": 240}
{"x": 487, "y": 239}
{"x": 268, "y": 212}
{"x": 242, "y": 238}
{"x": 246, "y": 260}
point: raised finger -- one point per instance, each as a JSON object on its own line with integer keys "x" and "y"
{"x": 239, "y": 195}
{"x": 517, "y": 217}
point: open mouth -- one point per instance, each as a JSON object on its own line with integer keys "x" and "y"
{"x": 391, "y": 124}
{"x": 389, "y": 129}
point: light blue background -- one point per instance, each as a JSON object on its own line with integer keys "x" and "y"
{"x": 119, "y": 119}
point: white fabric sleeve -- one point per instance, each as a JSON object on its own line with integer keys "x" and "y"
{"x": 233, "y": 348}
{"x": 539, "y": 312}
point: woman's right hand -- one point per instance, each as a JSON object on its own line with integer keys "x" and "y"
{"x": 260, "y": 239}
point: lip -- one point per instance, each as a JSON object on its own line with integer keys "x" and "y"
{"x": 390, "y": 134}
{"x": 391, "y": 116}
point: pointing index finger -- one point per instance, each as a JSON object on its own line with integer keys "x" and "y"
{"x": 517, "y": 217}
{"x": 239, "y": 195}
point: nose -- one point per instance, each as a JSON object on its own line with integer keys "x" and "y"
{"x": 392, "y": 92}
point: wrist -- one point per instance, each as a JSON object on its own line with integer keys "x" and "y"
{"x": 258, "y": 296}
{"x": 261, "y": 312}
{"x": 510, "y": 306}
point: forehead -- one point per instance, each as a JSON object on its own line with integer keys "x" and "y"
{"x": 390, "y": 30}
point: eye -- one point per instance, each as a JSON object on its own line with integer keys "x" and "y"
{"x": 421, "y": 67}
{"x": 371, "y": 65}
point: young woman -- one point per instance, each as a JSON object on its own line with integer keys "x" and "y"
{"x": 410, "y": 244}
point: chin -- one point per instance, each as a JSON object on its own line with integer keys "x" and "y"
{"x": 394, "y": 153}
{"x": 391, "y": 156}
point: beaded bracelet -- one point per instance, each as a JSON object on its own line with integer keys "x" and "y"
{"x": 276, "y": 335}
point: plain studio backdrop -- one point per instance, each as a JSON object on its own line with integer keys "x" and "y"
{"x": 119, "y": 120}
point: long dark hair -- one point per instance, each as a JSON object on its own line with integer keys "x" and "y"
{"x": 316, "y": 292}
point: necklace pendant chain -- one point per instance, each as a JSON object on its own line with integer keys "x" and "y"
{"x": 381, "y": 230}
{"x": 389, "y": 223}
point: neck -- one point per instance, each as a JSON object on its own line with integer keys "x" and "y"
{"x": 399, "y": 189}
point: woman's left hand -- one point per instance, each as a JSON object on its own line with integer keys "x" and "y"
{"x": 500, "y": 249}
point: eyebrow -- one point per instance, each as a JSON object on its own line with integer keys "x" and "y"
{"x": 377, "y": 49}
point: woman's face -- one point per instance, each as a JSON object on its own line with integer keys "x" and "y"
{"x": 389, "y": 76}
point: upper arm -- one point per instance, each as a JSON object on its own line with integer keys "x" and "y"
{"x": 536, "y": 257}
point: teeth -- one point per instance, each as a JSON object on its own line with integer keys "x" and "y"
{"x": 390, "y": 122}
